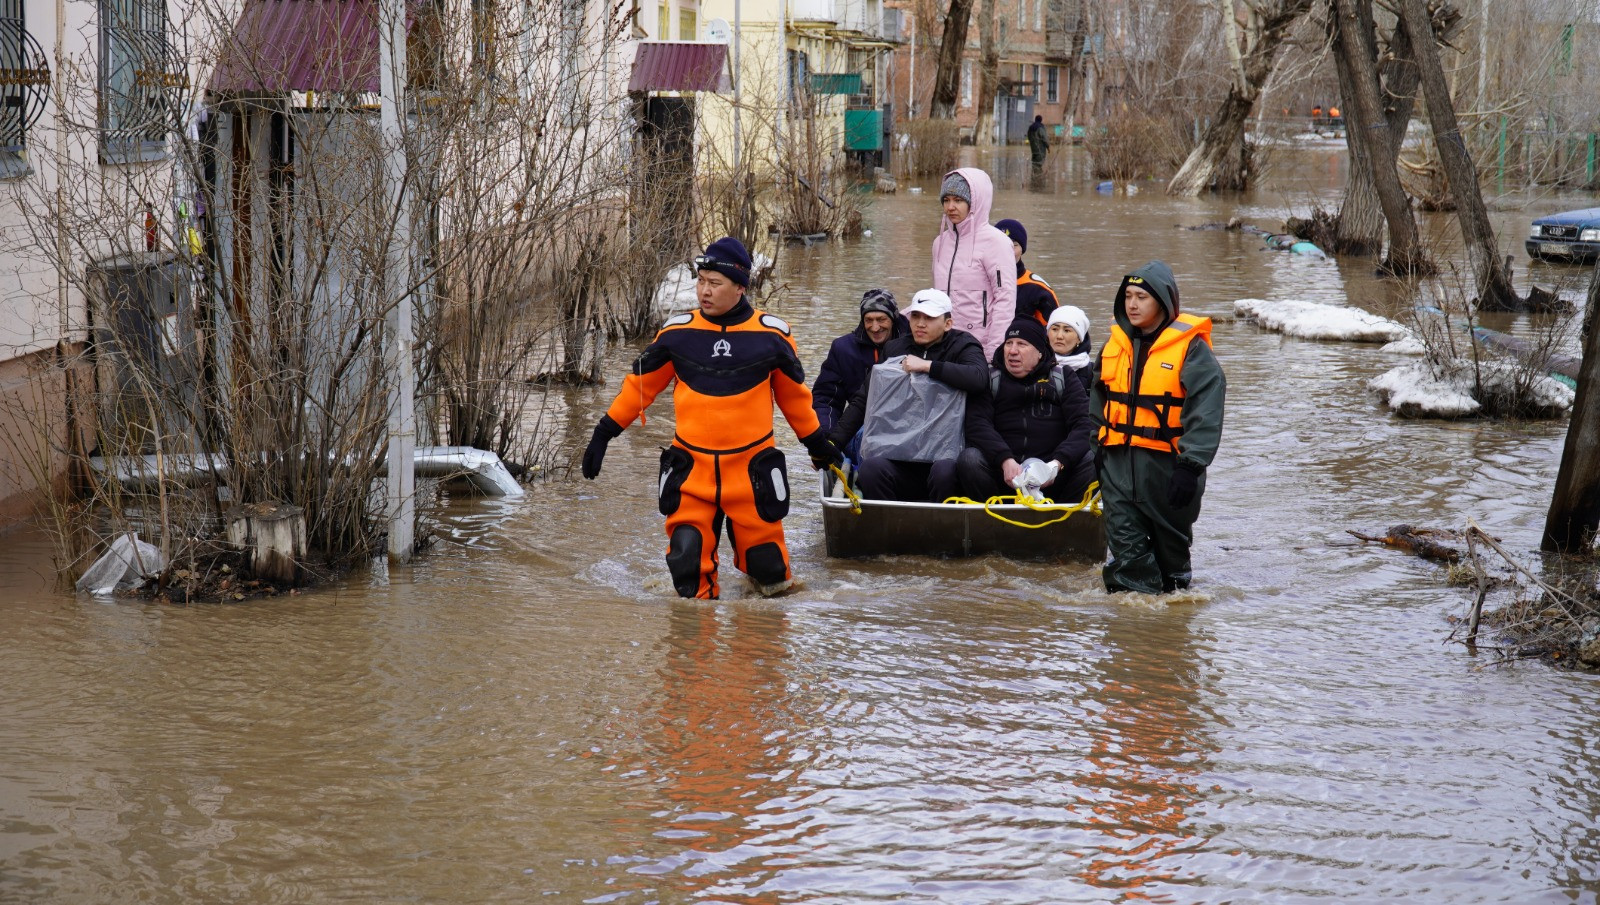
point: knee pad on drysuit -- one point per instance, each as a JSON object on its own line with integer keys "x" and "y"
{"x": 683, "y": 560}
{"x": 765, "y": 564}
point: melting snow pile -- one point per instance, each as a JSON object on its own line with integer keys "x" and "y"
{"x": 1449, "y": 390}
{"x": 1311, "y": 320}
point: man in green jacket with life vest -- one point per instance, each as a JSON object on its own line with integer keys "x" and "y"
{"x": 1157, "y": 396}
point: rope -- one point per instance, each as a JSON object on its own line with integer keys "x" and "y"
{"x": 1089, "y": 503}
{"x": 844, "y": 484}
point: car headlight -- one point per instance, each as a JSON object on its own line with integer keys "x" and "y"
{"x": 1535, "y": 231}
{"x": 1589, "y": 235}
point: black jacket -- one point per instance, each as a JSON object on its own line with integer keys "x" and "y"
{"x": 1033, "y": 417}
{"x": 957, "y": 360}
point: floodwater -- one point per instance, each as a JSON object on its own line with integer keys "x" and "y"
{"x": 528, "y": 715}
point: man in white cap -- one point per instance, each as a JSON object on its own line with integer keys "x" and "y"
{"x": 950, "y": 356}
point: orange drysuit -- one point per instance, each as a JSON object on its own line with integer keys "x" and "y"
{"x": 722, "y": 468}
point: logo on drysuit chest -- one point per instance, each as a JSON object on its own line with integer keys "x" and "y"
{"x": 722, "y": 349}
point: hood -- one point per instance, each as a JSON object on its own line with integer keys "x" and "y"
{"x": 1565, "y": 218}
{"x": 982, "y": 199}
{"x": 1158, "y": 280}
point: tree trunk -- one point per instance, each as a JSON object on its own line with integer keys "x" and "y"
{"x": 1359, "y": 227}
{"x": 1223, "y": 140}
{"x": 1574, "y": 513}
{"x": 1355, "y": 41}
{"x": 1077, "y": 70}
{"x": 1490, "y": 272}
{"x": 947, "y": 76}
{"x": 989, "y": 74}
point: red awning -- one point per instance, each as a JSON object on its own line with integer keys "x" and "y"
{"x": 680, "y": 66}
{"x": 301, "y": 45}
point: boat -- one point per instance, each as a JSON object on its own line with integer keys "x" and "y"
{"x": 856, "y": 528}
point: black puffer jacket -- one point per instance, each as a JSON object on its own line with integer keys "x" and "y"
{"x": 957, "y": 360}
{"x": 1033, "y": 417}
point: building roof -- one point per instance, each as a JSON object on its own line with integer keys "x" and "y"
{"x": 680, "y": 66}
{"x": 300, "y": 45}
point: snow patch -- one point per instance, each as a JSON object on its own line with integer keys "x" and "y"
{"x": 1411, "y": 345}
{"x": 1313, "y": 320}
{"x": 1449, "y": 390}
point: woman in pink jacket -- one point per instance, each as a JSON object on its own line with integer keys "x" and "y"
{"x": 972, "y": 261}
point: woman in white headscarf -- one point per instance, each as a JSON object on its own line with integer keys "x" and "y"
{"x": 1068, "y": 329}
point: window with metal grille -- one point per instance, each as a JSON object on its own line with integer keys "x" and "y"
{"x": 1052, "y": 85}
{"x": 24, "y": 85}
{"x": 141, "y": 80}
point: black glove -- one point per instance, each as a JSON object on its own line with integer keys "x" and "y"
{"x": 823, "y": 452}
{"x": 1180, "y": 489}
{"x": 604, "y": 432}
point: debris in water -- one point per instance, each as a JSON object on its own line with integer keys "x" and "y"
{"x": 1427, "y": 543}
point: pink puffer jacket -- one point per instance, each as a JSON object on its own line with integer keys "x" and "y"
{"x": 974, "y": 265}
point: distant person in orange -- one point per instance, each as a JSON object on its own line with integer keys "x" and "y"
{"x": 1316, "y": 116}
{"x": 730, "y": 363}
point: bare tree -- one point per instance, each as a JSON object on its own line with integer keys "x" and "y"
{"x": 1354, "y": 40}
{"x": 1358, "y": 228}
{"x": 1491, "y": 274}
{"x": 947, "y": 75}
{"x": 1253, "y": 32}
{"x": 988, "y": 72}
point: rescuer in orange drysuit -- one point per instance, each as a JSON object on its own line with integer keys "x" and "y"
{"x": 731, "y": 362}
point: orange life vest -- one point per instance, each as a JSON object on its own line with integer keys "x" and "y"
{"x": 1151, "y": 416}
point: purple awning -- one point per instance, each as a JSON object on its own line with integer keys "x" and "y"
{"x": 680, "y": 66}
{"x": 301, "y": 45}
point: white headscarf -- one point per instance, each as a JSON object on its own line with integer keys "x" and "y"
{"x": 1077, "y": 320}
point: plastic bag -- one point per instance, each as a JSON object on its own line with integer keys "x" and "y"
{"x": 912, "y": 417}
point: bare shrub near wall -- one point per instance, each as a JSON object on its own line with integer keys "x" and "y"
{"x": 268, "y": 219}
{"x": 1134, "y": 145}
{"x": 933, "y": 147}
{"x": 815, "y": 190}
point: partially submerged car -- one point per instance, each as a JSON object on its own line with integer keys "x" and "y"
{"x": 1567, "y": 236}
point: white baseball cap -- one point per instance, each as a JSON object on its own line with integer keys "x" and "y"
{"x": 931, "y": 302}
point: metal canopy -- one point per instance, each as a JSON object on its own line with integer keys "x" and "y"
{"x": 680, "y": 66}
{"x": 301, "y": 45}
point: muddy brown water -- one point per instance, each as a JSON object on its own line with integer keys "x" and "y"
{"x": 527, "y": 715}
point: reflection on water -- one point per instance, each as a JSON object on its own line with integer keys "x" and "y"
{"x": 528, "y": 713}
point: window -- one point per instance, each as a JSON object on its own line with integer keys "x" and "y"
{"x": 1038, "y": 15}
{"x": 663, "y": 23}
{"x": 966, "y": 83}
{"x": 1036, "y": 82}
{"x": 22, "y": 91}
{"x": 1022, "y": 14}
{"x": 1052, "y": 85}
{"x": 688, "y": 30}
{"x": 139, "y": 80}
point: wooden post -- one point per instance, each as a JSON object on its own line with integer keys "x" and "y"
{"x": 273, "y": 537}
{"x": 1575, "y": 506}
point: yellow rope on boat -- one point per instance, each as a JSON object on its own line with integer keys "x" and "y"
{"x": 1089, "y": 503}
{"x": 844, "y": 484}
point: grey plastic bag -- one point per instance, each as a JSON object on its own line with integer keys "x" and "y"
{"x": 911, "y": 417}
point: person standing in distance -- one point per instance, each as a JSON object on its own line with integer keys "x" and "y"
{"x": 731, "y": 362}
{"x": 1158, "y": 397}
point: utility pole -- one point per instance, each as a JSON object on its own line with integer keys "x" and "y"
{"x": 398, "y": 279}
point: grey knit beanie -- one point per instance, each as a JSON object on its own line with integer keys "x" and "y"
{"x": 956, "y": 184}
